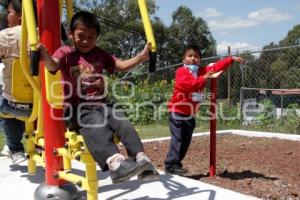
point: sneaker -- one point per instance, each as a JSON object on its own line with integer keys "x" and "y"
{"x": 5, "y": 151}
{"x": 127, "y": 169}
{"x": 149, "y": 173}
{"x": 174, "y": 169}
{"x": 18, "y": 157}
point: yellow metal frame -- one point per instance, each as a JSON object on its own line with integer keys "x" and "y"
{"x": 29, "y": 33}
{"x": 147, "y": 24}
{"x": 75, "y": 148}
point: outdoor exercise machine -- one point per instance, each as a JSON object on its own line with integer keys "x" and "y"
{"x": 48, "y": 144}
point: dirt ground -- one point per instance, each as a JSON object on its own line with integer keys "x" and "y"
{"x": 261, "y": 167}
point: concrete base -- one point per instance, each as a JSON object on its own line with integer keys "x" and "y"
{"x": 48, "y": 192}
{"x": 16, "y": 184}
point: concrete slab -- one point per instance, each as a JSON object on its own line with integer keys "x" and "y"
{"x": 16, "y": 184}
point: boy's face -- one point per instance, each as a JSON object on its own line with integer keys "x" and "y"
{"x": 13, "y": 18}
{"x": 84, "y": 38}
{"x": 191, "y": 57}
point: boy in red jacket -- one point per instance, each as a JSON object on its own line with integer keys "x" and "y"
{"x": 190, "y": 81}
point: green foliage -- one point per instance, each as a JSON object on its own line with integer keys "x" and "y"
{"x": 187, "y": 29}
{"x": 228, "y": 115}
{"x": 122, "y": 33}
{"x": 291, "y": 119}
{"x": 282, "y": 65}
{"x": 3, "y": 23}
{"x": 143, "y": 102}
{"x": 266, "y": 118}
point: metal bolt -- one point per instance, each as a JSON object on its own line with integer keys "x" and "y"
{"x": 79, "y": 184}
{"x": 55, "y": 152}
{"x": 55, "y": 175}
{"x": 77, "y": 157}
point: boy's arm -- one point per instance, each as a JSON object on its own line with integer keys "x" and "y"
{"x": 186, "y": 83}
{"x": 125, "y": 65}
{"x": 225, "y": 63}
{"x": 52, "y": 64}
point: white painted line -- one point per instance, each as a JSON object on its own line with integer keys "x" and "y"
{"x": 284, "y": 136}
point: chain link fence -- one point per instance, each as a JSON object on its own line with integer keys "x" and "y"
{"x": 271, "y": 75}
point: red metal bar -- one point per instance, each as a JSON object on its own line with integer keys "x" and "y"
{"x": 213, "y": 126}
{"x": 49, "y": 29}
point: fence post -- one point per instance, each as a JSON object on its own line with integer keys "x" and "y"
{"x": 241, "y": 103}
{"x": 229, "y": 81}
{"x": 281, "y": 104}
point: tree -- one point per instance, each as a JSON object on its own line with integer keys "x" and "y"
{"x": 3, "y": 21}
{"x": 187, "y": 29}
{"x": 121, "y": 32}
{"x": 285, "y": 69}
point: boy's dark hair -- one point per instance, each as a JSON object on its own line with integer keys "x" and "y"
{"x": 87, "y": 18}
{"x": 16, "y": 5}
{"x": 194, "y": 48}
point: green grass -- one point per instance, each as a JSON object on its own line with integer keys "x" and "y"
{"x": 2, "y": 139}
{"x": 156, "y": 130}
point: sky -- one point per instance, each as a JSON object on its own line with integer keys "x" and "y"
{"x": 240, "y": 24}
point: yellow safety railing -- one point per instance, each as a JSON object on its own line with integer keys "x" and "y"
{"x": 29, "y": 36}
{"x": 149, "y": 34}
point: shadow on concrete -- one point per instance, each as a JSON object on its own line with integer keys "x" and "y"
{"x": 243, "y": 175}
{"x": 100, "y": 174}
{"x": 39, "y": 177}
{"x": 175, "y": 188}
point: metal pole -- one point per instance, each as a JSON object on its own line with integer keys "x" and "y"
{"x": 53, "y": 188}
{"x": 213, "y": 125}
{"x": 53, "y": 129}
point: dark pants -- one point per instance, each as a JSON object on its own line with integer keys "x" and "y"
{"x": 181, "y": 127}
{"x": 14, "y": 130}
{"x": 98, "y": 125}
{"x": 12, "y": 127}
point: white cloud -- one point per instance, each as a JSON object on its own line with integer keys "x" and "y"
{"x": 231, "y": 23}
{"x": 209, "y": 12}
{"x": 269, "y": 14}
{"x": 222, "y": 47}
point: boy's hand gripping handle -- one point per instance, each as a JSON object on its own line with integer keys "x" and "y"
{"x": 34, "y": 62}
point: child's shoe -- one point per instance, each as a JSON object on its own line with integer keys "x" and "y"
{"x": 126, "y": 170}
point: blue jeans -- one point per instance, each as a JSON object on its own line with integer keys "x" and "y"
{"x": 14, "y": 130}
{"x": 6, "y": 108}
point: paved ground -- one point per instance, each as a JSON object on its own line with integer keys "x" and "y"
{"x": 16, "y": 184}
